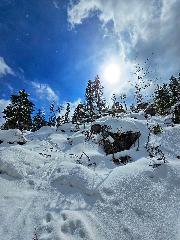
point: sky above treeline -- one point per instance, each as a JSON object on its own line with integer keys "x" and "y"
{"x": 51, "y": 48}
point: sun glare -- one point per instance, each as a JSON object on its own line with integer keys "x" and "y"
{"x": 112, "y": 73}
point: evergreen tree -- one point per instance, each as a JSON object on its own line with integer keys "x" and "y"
{"x": 95, "y": 102}
{"x": 66, "y": 116}
{"x": 89, "y": 97}
{"x": 176, "y": 114}
{"x": 52, "y": 117}
{"x": 79, "y": 115}
{"x": 162, "y": 99}
{"x": 39, "y": 120}
{"x": 59, "y": 119}
{"x": 123, "y": 100}
{"x": 113, "y": 99}
{"x": 98, "y": 95}
{"x": 117, "y": 107}
{"x": 174, "y": 86}
{"x": 18, "y": 113}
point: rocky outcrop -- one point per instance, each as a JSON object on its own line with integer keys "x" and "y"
{"x": 117, "y": 142}
{"x": 114, "y": 142}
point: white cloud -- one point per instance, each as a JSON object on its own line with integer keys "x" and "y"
{"x": 56, "y": 5}
{"x": 4, "y": 68}
{"x": 141, "y": 27}
{"x": 45, "y": 91}
{"x": 3, "y": 105}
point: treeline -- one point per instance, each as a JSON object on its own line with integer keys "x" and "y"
{"x": 19, "y": 113}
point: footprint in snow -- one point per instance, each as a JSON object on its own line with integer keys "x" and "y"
{"x": 73, "y": 226}
{"x": 45, "y": 230}
{"x": 108, "y": 191}
{"x": 48, "y": 217}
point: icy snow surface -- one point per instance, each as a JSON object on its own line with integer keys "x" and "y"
{"x": 44, "y": 190}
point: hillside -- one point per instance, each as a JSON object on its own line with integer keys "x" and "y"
{"x": 55, "y": 184}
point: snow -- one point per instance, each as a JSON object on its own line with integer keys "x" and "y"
{"x": 45, "y": 190}
{"x": 11, "y": 136}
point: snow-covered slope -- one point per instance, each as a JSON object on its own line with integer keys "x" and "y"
{"x": 44, "y": 189}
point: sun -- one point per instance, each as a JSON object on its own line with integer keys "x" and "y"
{"x": 112, "y": 73}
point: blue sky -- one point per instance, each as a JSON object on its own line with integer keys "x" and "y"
{"x": 41, "y": 48}
{"x": 52, "y": 48}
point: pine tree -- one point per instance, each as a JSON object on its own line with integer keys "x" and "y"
{"x": 52, "y": 117}
{"x": 116, "y": 107}
{"x": 18, "y": 113}
{"x": 59, "y": 119}
{"x": 79, "y": 115}
{"x": 113, "y": 108}
{"x": 176, "y": 114}
{"x": 174, "y": 86}
{"x": 123, "y": 100}
{"x": 89, "y": 97}
{"x": 98, "y": 95}
{"x": 113, "y": 99}
{"x": 66, "y": 116}
{"x": 162, "y": 99}
{"x": 39, "y": 120}
{"x": 95, "y": 102}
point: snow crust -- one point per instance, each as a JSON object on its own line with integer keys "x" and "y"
{"x": 45, "y": 190}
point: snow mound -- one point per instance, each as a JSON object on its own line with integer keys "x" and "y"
{"x": 123, "y": 125}
{"x": 139, "y": 202}
{"x": 75, "y": 176}
{"x": 41, "y": 134}
{"x": 12, "y": 136}
{"x": 19, "y": 163}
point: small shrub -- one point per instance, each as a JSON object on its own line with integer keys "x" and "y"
{"x": 156, "y": 129}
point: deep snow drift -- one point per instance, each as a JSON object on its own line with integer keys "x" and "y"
{"x": 44, "y": 189}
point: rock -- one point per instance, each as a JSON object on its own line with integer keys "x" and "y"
{"x": 122, "y": 159}
{"x": 96, "y": 129}
{"x": 122, "y": 141}
{"x": 150, "y": 110}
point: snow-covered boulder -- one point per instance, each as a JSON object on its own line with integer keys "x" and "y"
{"x": 119, "y": 124}
{"x": 117, "y": 142}
{"x": 118, "y": 134}
{"x": 12, "y": 136}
